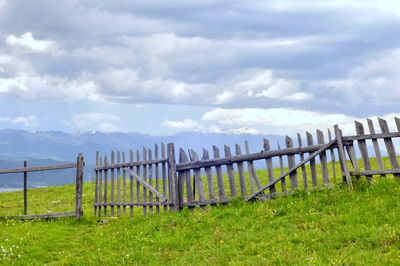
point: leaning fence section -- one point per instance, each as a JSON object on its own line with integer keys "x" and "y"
{"x": 145, "y": 181}
{"x": 217, "y": 176}
{"x": 42, "y": 191}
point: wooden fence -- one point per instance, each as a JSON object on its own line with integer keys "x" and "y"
{"x": 183, "y": 183}
{"x": 78, "y": 193}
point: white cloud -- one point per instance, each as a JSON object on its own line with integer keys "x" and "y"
{"x": 28, "y": 42}
{"x": 29, "y": 120}
{"x": 184, "y": 124}
{"x": 97, "y": 121}
{"x": 4, "y": 119}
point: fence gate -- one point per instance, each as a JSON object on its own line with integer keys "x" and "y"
{"x": 42, "y": 191}
{"x": 146, "y": 182}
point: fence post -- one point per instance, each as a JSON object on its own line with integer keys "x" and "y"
{"x": 79, "y": 183}
{"x": 25, "y": 189}
{"x": 173, "y": 181}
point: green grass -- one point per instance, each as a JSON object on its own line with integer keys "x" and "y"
{"x": 331, "y": 226}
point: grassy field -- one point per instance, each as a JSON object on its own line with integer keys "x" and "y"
{"x": 331, "y": 226}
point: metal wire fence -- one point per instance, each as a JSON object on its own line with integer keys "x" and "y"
{"x": 44, "y": 191}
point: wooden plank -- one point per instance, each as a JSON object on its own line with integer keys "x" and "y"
{"x": 397, "y": 121}
{"x": 303, "y": 168}
{"x": 40, "y": 216}
{"x": 323, "y": 159}
{"x": 376, "y": 172}
{"x": 208, "y": 171}
{"x": 141, "y": 204}
{"x": 281, "y": 166}
{"x": 342, "y": 157}
{"x": 363, "y": 148}
{"x": 100, "y": 184}
{"x": 376, "y": 146}
{"x": 352, "y": 155}
{"x": 187, "y": 178}
{"x": 291, "y": 163}
{"x": 150, "y": 181}
{"x": 389, "y": 146}
{"x": 118, "y": 183}
{"x": 129, "y": 164}
{"x": 270, "y": 168}
{"x": 242, "y": 180}
{"x": 181, "y": 179}
{"x": 38, "y": 168}
{"x": 372, "y": 136}
{"x": 112, "y": 184}
{"x": 333, "y": 159}
{"x": 291, "y": 170}
{"x": 231, "y": 172}
{"x": 138, "y": 173}
{"x": 220, "y": 180}
{"x": 96, "y": 191}
{"x": 105, "y": 198}
{"x": 124, "y": 183}
{"x": 131, "y": 183}
{"x": 157, "y": 175}
{"x": 252, "y": 169}
{"x": 145, "y": 180}
{"x": 172, "y": 178}
{"x": 313, "y": 167}
{"x": 164, "y": 173}
{"x": 252, "y": 157}
{"x": 147, "y": 185}
{"x": 197, "y": 176}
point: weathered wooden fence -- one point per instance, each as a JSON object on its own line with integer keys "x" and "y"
{"x": 27, "y": 171}
{"x": 184, "y": 185}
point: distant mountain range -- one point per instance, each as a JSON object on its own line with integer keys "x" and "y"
{"x": 51, "y": 147}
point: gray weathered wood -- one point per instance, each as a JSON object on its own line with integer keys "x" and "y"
{"x": 145, "y": 180}
{"x": 342, "y": 157}
{"x": 397, "y": 121}
{"x": 313, "y": 167}
{"x": 377, "y": 172}
{"x": 112, "y": 184}
{"x": 270, "y": 168}
{"x": 303, "y": 168}
{"x": 333, "y": 159}
{"x": 208, "y": 171}
{"x": 150, "y": 181}
{"x": 172, "y": 178}
{"x": 282, "y": 167}
{"x": 38, "y": 168}
{"x": 291, "y": 163}
{"x": 145, "y": 184}
{"x": 124, "y": 183}
{"x": 127, "y": 164}
{"x": 372, "y": 136}
{"x": 251, "y": 167}
{"x": 79, "y": 187}
{"x": 157, "y": 175}
{"x": 96, "y": 191}
{"x": 181, "y": 179}
{"x": 376, "y": 146}
{"x": 363, "y": 148}
{"x": 197, "y": 176}
{"x": 352, "y": 155}
{"x": 118, "y": 183}
{"x": 131, "y": 183}
{"x": 187, "y": 178}
{"x": 105, "y": 198}
{"x": 291, "y": 170}
{"x": 41, "y": 216}
{"x": 389, "y": 146}
{"x": 164, "y": 173}
{"x": 231, "y": 172}
{"x": 138, "y": 173}
{"x": 220, "y": 180}
{"x": 100, "y": 185}
{"x": 323, "y": 159}
{"x": 25, "y": 189}
{"x": 242, "y": 180}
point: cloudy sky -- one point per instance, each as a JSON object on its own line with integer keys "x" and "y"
{"x": 161, "y": 67}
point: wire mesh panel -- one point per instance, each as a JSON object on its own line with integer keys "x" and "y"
{"x": 43, "y": 191}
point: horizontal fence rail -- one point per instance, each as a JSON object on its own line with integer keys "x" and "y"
{"x": 218, "y": 176}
